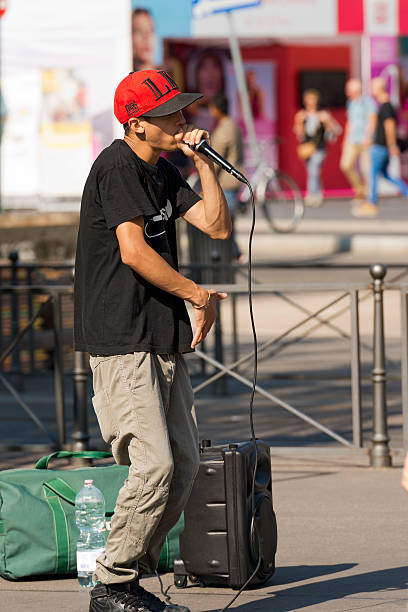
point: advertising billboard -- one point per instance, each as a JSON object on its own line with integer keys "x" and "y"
{"x": 60, "y": 64}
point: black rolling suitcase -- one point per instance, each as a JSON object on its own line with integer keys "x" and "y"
{"x": 220, "y": 544}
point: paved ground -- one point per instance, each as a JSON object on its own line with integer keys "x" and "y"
{"x": 331, "y": 230}
{"x": 341, "y": 546}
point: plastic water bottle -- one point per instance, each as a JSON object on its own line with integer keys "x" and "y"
{"x": 90, "y": 520}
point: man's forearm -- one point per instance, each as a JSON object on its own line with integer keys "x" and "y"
{"x": 153, "y": 268}
{"x": 216, "y": 212}
{"x": 371, "y": 125}
{"x": 390, "y": 132}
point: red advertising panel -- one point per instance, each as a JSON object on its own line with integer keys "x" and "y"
{"x": 350, "y": 16}
{"x": 403, "y": 17}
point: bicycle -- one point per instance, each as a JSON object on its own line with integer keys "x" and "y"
{"x": 275, "y": 191}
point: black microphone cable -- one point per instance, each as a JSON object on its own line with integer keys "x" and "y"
{"x": 251, "y": 401}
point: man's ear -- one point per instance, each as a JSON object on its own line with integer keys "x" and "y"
{"x": 136, "y": 125}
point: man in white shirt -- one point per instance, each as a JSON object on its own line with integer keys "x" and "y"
{"x": 361, "y": 118}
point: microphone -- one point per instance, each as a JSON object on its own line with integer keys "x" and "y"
{"x": 204, "y": 148}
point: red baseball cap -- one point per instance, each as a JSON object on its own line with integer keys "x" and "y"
{"x": 149, "y": 93}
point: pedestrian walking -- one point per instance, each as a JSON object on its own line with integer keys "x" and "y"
{"x": 358, "y": 133}
{"x": 226, "y": 139}
{"x": 130, "y": 315}
{"x": 314, "y": 127}
{"x": 384, "y": 146}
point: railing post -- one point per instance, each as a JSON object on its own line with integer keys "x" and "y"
{"x": 30, "y": 299}
{"x": 404, "y": 364}
{"x": 355, "y": 370}
{"x": 15, "y": 370}
{"x": 235, "y": 346}
{"x": 219, "y": 385}
{"x": 380, "y": 452}
{"x": 1, "y": 312}
{"x": 59, "y": 371}
{"x": 80, "y": 434}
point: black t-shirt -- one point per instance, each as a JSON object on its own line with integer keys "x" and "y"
{"x": 116, "y": 310}
{"x": 386, "y": 111}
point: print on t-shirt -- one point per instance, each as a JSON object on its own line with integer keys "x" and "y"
{"x": 154, "y": 226}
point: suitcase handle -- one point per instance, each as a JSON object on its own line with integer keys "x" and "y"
{"x": 42, "y": 464}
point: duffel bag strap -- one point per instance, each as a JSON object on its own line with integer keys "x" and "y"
{"x": 42, "y": 464}
{"x": 60, "y": 529}
{"x": 59, "y": 487}
{"x": 62, "y": 489}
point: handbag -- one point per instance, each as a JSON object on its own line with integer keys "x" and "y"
{"x": 306, "y": 149}
{"x": 38, "y": 533}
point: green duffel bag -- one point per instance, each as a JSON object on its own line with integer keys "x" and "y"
{"x": 38, "y": 533}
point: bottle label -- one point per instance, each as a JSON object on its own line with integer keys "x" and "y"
{"x": 86, "y": 559}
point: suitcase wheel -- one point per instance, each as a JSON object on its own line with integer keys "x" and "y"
{"x": 180, "y": 581}
{"x": 194, "y": 579}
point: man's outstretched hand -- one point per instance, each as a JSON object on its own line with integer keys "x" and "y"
{"x": 205, "y": 318}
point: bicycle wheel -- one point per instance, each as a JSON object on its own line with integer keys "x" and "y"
{"x": 282, "y": 204}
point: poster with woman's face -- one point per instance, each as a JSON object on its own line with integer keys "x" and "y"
{"x": 151, "y": 22}
{"x": 206, "y": 70}
{"x": 210, "y": 71}
{"x": 143, "y": 39}
{"x": 261, "y": 86}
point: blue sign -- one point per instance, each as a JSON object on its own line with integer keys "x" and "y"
{"x": 159, "y": 19}
{"x": 204, "y": 8}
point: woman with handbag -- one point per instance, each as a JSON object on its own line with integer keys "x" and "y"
{"x": 314, "y": 127}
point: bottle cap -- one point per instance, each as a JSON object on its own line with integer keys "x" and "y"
{"x": 88, "y": 482}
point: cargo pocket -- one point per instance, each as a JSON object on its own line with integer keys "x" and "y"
{"x": 102, "y": 407}
{"x": 95, "y": 361}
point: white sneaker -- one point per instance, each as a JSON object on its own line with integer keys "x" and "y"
{"x": 314, "y": 199}
{"x": 367, "y": 209}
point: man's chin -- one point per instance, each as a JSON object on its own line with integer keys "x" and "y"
{"x": 172, "y": 147}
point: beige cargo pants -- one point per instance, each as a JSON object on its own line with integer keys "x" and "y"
{"x": 352, "y": 153}
{"x": 144, "y": 406}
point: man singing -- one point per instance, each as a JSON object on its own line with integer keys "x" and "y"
{"x": 131, "y": 317}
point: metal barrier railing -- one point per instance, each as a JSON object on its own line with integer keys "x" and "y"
{"x": 277, "y": 289}
{"x": 380, "y": 455}
{"x": 24, "y": 273}
{"x": 54, "y": 294}
{"x": 351, "y": 292}
{"x": 28, "y": 274}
